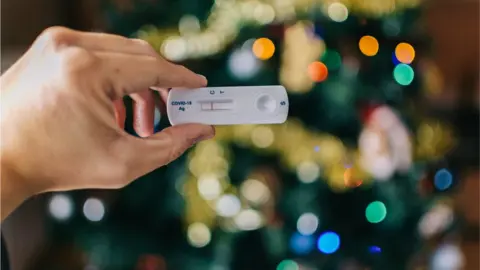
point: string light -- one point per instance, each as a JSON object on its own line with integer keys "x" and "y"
{"x": 248, "y": 220}
{"x": 263, "y": 48}
{"x": 403, "y": 74}
{"x": 93, "y": 209}
{"x": 338, "y": 12}
{"x": 255, "y": 191}
{"x": 368, "y": 45}
{"x": 328, "y": 242}
{"x": 307, "y": 224}
{"x": 198, "y": 235}
{"x": 302, "y": 244}
{"x": 376, "y": 212}
{"x": 228, "y": 205}
{"x": 60, "y": 207}
{"x": 443, "y": 179}
{"x": 243, "y": 65}
{"x": 405, "y": 53}
{"x": 288, "y": 265}
{"x": 308, "y": 172}
{"x": 209, "y": 187}
{"x": 318, "y": 71}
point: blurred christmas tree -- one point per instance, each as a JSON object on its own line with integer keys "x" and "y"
{"x": 342, "y": 185}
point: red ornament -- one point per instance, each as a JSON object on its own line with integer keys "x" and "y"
{"x": 367, "y": 111}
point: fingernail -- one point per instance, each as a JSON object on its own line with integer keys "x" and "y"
{"x": 205, "y": 81}
{"x": 205, "y": 136}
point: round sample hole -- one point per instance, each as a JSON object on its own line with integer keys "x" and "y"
{"x": 266, "y": 103}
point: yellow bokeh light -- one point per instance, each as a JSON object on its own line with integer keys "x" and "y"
{"x": 368, "y": 45}
{"x": 263, "y": 48}
{"x": 405, "y": 53}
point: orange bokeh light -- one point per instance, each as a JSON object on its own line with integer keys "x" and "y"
{"x": 368, "y": 45}
{"x": 405, "y": 53}
{"x": 349, "y": 182}
{"x": 263, "y": 48}
{"x": 318, "y": 71}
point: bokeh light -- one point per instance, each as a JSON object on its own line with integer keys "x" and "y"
{"x": 349, "y": 179}
{"x": 60, "y": 207}
{"x": 228, "y": 205}
{"x": 436, "y": 220}
{"x": 209, "y": 187}
{"x": 394, "y": 59}
{"x": 308, "y": 172}
{"x": 243, "y": 65}
{"x": 317, "y": 71}
{"x": 307, "y": 223}
{"x": 302, "y": 244}
{"x": 448, "y": 256}
{"x": 263, "y": 48}
{"x": 443, "y": 179}
{"x": 328, "y": 242}
{"x": 337, "y": 12}
{"x": 405, "y": 53}
{"x": 403, "y": 74}
{"x": 288, "y": 265}
{"x": 255, "y": 191}
{"x": 332, "y": 59}
{"x": 376, "y": 212}
{"x": 93, "y": 209}
{"x": 188, "y": 24}
{"x": 198, "y": 235}
{"x": 368, "y": 45}
{"x": 375, "y": 249}
{"x": 262, "y": 136}
{"x": 248, "y": 220}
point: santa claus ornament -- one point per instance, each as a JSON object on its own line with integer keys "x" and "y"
{"x": 385, "y": 144}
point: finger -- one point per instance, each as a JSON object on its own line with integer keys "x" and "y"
{"x": 129, "y": 74}
{"x": 148, "y": 154}
{"x": 120, "y": 112}
{"x": 143, "y": 113}
{"x": 111, "y": 43}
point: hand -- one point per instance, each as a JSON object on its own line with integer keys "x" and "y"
{"x": 62, "y": 114}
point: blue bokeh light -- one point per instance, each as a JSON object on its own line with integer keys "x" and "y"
{"x": 317, "y": 148}
{"x": 375, "y": 249}
{"x": 328, "y": 242}
{"x": 443, "y": 179}
{"x": 302, "y": 244}
{"x": 395, "y": 60}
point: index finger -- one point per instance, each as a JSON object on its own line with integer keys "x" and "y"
{"x": 129, "y": 74}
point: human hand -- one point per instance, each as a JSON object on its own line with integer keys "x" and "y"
{"x": 62, "y": 114}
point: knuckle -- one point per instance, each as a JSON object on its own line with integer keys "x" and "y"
{"x": 56, "y": 36}
{"x": 146, "y": 46}
{"x": 75, "y": 61}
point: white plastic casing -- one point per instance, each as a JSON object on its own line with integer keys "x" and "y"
{"x": 228, "y": 105}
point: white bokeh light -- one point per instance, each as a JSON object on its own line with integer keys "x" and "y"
{"x": 338, "y": 12}
{"x": 243, "y": 64}
{"x": 228, "y": 205}
{"x": 248, "y": 220}
{"x": 307, "y": 223}
{"x": 93, "y": 209}
{"x": 308, "y": 172}
{"x": 60, "y": 206}
{"x": 198, "y": 235}
{"x": 209, "y": 187}
{"x": 435, "y": 221}
{"x": 448, "y": 257}
{"x": 255, "y": 191}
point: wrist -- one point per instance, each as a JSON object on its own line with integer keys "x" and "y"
{"x": 13, "y": 188}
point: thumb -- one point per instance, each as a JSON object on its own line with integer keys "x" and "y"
{"x": 164, "y": 147}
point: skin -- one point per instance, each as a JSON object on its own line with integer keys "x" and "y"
{"x": 62, "y": 115}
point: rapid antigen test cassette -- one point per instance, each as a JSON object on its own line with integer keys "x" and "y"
{"x": 228, "y": 105}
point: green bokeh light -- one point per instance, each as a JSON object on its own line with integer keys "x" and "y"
{"x": 376, "y": 212}
{"x": 332, "y": 59}
{"x": 403, "y": 74}
{"x": 288, "y": 265}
